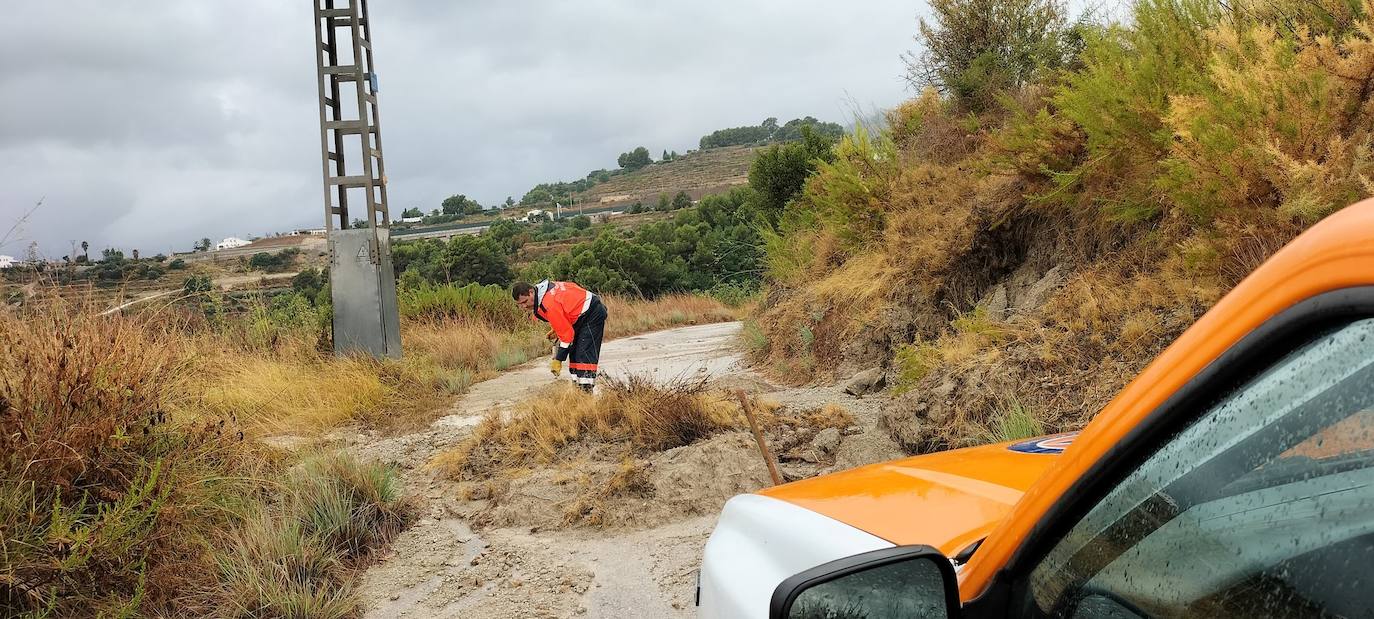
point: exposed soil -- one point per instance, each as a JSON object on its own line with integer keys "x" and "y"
{"x": 471, "y": 556}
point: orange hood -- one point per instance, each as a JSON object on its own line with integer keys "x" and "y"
{"x": 948, "y": 500}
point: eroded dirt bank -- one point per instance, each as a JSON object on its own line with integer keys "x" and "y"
{"x": 520, "y": 563}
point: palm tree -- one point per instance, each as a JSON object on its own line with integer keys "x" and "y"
{"x": 135, "y": 254}
{"x": 85, "y": 250}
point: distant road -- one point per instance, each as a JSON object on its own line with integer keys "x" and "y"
{"x": 415, "y": 234}
{"x": 454, "y": 229}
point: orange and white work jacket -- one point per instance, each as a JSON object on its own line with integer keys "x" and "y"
{"x": 560, "y": 304}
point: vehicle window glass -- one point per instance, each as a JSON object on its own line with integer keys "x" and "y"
{"x": 1262, "y": 507}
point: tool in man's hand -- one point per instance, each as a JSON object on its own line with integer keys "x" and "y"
{"x": 556, "y": 367}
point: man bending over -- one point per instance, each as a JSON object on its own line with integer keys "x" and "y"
{"x": 578, "y": 318}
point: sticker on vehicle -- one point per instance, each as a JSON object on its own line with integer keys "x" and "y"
{"x": 1045, "y": 444}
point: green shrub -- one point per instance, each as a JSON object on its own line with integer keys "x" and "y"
{"x": 1120, "y": 100}
{"x": 976, "y": 49}
{"x": 755, "y": 339}
{"x": 349, "y": 506}
{"x": 293, "y": 559}
{"x": 274, "y": 263}
{"x": 734, "y": 294}
{"x": 464, "y": 259}
{"x": 779, "y": 172}
{"x": 489, "y": 304}
{"x": 197, "y": 283}
{"x": 914, "y": 362}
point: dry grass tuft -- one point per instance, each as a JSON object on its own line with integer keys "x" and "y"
{"x": 636, "y": 414}
{"x": 296, "y": 558}
{"x": 276, "y": 395}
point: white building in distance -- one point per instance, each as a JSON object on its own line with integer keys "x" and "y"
{"x": 8, "y": 262}
{"x": 231, "y": 243}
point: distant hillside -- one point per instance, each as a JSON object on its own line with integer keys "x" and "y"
{"x": 699, "y": 174}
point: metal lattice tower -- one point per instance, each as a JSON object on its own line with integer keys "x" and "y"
{"x": 348, "y": 107}
{"x": 362, "y": 282}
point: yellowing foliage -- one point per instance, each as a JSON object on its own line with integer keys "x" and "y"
{"x": 1091, "y": 218}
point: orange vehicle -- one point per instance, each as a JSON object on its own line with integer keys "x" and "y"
{"x": 1234, "y": 477}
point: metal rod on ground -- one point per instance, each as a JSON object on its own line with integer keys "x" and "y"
{"x": 758, "y": 436}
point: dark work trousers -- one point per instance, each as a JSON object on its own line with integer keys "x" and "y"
{"x": 586, "y": 344}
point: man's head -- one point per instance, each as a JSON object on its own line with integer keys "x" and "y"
{"x": 523, "y": 294}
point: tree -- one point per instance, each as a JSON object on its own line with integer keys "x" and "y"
{"x": 635, "y": 159}
{"x": 681, "y": 200}
{"x": 85, "y": 250}
{"x": 768, "y": 131}
{"x": 507, "y": 233}
{"x": 779, "y": 172}
{"x": 111, "y": 255}
{"x": 510, "y": 202}
{"x": 460, "y": 205}
{"x": 135, "y": 254}
{"x": 358, "y": 223}
{"x": 475, "y": 259}
{"x": 412, "y": 212}
{"x": 201, "y": 245}
{"x": 976, "y": 49}
{"x": 663, "y": 203}
{"x": 665, "y": 156}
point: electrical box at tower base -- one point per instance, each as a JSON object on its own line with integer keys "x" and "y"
{"x": 363, "y": 289}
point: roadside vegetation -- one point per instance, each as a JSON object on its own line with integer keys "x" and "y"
{"x": 140, "y": 474}
{"x": 124, "y": 494}
{"x": 1062, "y": 199}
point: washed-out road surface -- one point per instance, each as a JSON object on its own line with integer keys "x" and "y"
{"x": 440, "y": 567}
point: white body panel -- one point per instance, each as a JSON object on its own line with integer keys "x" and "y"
{"x": 759, "y": 542}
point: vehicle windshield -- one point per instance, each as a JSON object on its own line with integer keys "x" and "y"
{"x": 1270, "y": 491}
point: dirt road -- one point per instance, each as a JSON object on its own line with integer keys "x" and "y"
{"x": 441, "y": 568}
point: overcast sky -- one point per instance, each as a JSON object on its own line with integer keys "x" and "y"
{"x": 152, "y": 124}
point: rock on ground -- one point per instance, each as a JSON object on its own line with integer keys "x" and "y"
{"x": 865, "y": 382}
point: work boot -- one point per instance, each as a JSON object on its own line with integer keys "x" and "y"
{"x": 586, "y": 387}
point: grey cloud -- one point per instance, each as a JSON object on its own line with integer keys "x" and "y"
{"x": 151, "y": 125}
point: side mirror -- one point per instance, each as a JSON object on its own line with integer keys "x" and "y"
{"x": 903, "y": 582}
